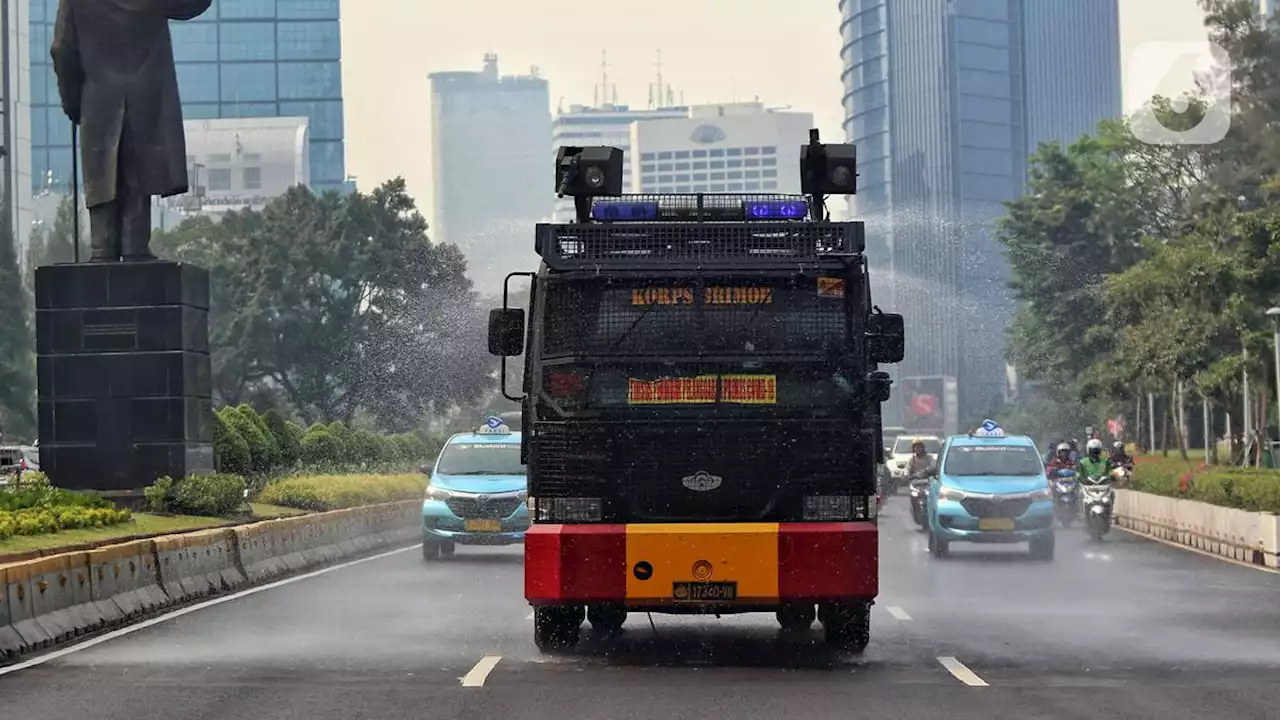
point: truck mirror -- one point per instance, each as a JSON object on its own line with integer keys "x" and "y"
{"x": 506, "y": 332}
{"x": 886, "y": 338}
{"x": 879, "y": 385}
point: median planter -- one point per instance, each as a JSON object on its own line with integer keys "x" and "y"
{"x": 1247, "y": 536}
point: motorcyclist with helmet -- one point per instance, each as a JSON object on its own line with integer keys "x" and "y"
{"x": 921, "y": 463}
{"x": 1061, "y": 461}
{"x": 1119, "y": 457}
{"x": 1093, "y": 464}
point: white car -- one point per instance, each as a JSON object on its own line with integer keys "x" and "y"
{"x": 900, "y": 453}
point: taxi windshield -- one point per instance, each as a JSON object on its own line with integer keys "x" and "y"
{"x": 480, "y": 459}
{"x": 993, "y": 460}
{"x": 903, "y": 445}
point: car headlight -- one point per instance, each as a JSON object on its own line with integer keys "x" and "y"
{"x": 950, "y": 493}
{"x": 1042, "y": 494}
{"x": 436, "y": 493}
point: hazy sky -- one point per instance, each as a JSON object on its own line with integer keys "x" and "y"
{"x": 712, "y": 50}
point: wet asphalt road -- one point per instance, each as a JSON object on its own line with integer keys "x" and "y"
{"x": 1128, "y": 629}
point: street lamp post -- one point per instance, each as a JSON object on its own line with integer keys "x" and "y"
{"x": 1274, "y": 314}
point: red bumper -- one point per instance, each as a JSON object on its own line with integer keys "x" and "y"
{"x": 640, "y": 564}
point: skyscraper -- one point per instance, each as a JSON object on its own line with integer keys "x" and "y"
{"x": 945, "y": 101}
{"x": 240, "y": 59}
{"x": 491, "y": 167}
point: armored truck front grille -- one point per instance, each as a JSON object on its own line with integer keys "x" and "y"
{"x": 690, "y": 471}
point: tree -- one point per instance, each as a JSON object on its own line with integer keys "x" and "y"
{"x": 56, "y": 245}
{"x": 338, "y": 304}
{"x": 17, "y": 346}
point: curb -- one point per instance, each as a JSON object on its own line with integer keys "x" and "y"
{"x": 48, "y": 601}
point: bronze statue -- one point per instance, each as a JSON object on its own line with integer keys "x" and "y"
{"x": 114, "y": 61}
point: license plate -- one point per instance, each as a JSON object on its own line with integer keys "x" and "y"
{"x": 705, "y": 591}
{"x": 483, "y": 525}
{"x": 995, "y": 524}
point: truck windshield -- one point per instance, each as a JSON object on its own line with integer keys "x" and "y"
{"x": 731, "y": 316}
{"x": 480, "y": 459}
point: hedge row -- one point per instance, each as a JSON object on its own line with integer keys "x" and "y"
{"x": 1243, "y": 488}
{"x": 334, "y": 492}
{"x": 269, "y": 445}
{"x": 36, "y": 508}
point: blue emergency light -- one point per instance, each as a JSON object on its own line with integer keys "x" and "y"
{"x": 624, "y": 211}
{"x": 683, "y": 209}
{"x": 775, "y": 209}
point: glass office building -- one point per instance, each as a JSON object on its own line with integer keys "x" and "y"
{"x": 242, "y": 58}
{"x": 945, "y": 101}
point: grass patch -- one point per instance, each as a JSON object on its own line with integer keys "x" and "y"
{"x": 334, "y": 492}
{"x": 143, "y": 524}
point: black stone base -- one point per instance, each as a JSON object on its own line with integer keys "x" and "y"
{"x": 124, "y": 374}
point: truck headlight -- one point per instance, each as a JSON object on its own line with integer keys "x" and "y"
{"x": 569, "y": 510}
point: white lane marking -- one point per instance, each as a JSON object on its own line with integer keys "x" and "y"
{"x": 481, "y": 671}
{"x": 962, "y": 673}
{"x": 898, "y": 613}
{"x": 42, "y": 659}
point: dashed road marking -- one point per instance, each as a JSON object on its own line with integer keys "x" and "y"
{"x": 898, "y": 613}
{"x": 961, "y": 672}
{"x": 42, "y": 659}
{"x": 481, "y": 671}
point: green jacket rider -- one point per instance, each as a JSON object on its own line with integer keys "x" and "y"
{"x": 1093, "y": 464}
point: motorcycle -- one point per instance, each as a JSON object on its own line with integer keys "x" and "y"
{"x": 1066, "y": 496}
{"x": 1098, "y": 498}
{"x": 919, "y": 483}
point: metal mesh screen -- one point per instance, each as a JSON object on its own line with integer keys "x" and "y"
{"x": 667, "y": 244}
{"x": 729, "y": 316}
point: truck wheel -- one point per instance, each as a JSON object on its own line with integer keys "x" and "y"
{"x": 847, "y": 626}
{"x": 607, "y": 619}
{"x": 796, "y": 618}
{"x": 556, "y": 627}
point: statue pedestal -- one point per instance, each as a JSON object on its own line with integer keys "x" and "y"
{"x": 125, "y": 386}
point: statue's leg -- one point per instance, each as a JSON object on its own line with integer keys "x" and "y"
{"x": 135, "y": 222}
{"x": 104, "y": 232}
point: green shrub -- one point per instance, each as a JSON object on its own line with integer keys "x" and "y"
{"x": 283, "y": 432}
{"x": 332, "y": 492}
{"x": 259, "y": 450}
{"x": 230, "y": 449}
{"x": 320, "y": 449}
{"x": 1243, "y": 488}
{"x": 219, "y": 495}
{"x": 274, "y": 456}
{"x": 50, "y": 519}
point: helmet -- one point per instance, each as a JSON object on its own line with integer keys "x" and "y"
{"x": 1063, "y": 447}
{"x": 1094, "y": 445}
{"x": 1117, "y": 445}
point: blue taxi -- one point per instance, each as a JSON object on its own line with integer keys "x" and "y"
{"x": 990, "y": 487}
{"x": 477, "y": 493}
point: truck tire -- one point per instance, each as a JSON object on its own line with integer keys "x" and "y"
{"x": 556, "y": 627}
{"x": 607, "y": 619}
{"x": 847, "y": 626}
{"x": 796, "y": 618}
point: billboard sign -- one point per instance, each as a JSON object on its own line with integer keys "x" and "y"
{"x": 929, "y": 404}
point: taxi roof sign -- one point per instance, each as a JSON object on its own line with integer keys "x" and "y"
{"x": 493, "y": 425}
{"x": 989, "y": 428}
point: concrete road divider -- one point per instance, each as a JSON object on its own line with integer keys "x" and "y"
{"x": 54, "y": 599}
{"x": 1243, "y": 535}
